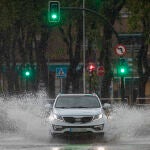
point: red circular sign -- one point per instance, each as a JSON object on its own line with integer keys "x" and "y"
{"x": 100, "y": 71}
{"x": 120, "y": 50}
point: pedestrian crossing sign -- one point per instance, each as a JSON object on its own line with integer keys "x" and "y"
{"x": 61, "y": 72}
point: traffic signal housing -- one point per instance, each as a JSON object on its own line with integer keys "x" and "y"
{"x": 122, "y": 68}
{"x": 53, "y": 11}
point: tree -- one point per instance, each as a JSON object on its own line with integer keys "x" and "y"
{"x": 22, "y": 21}
{"x": 8, "y": 42}
{"x": 72, "y": 35}
{"x": 110, "y": 9}
{"x": 140, "y": 18}
{"x": 71, "y": 32}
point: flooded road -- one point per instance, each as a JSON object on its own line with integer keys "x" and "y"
{"x": 18, "y": 142}
{"x": 23, "y": 127}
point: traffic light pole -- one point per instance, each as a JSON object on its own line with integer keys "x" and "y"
{"x": 27, "y": 84}
{"x": 122, "y": 89}
{"x": 90, "y": 83}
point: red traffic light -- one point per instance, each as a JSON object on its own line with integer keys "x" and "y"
{"x": 91, "y": 67}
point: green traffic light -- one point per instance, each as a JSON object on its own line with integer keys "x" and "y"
{"x": 54, "y": 16}
{"x": 54, "y": 11}
{"x": 27, "y": 73}
{"x": 122, "y": 70}
{"x": 122, "y": 67}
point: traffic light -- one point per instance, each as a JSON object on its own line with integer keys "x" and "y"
{"x": 91, "y": 68}
{"x": 122, "y": 68}
{"x": 53, "y": 11}
{"x": 27, "y": 73}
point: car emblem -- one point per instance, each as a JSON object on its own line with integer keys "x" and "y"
{"x": 77, "y": 119}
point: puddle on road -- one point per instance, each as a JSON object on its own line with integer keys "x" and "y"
{"x": 25, "y": 116}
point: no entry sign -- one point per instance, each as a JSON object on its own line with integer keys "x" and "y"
{"x": 100, "y": 71}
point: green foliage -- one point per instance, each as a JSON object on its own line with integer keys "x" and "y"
{"x": 140, "y": 16}
{"x": 7, "y": 14}
{"x": 21, "y": 21}
{"x": 26, "y": 13}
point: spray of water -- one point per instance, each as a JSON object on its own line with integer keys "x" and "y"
{"x": 25, "y": 115}
{"x": 128, "y": 122}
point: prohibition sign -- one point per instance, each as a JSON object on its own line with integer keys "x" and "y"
{"x": 100, "y": 71}
{"x": 120, "y": 50}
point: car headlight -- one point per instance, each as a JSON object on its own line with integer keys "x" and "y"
{"x": 99, "y": 116}
{"x": 55, "y": 117}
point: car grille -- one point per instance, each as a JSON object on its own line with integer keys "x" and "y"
{"x": 78, "y": 119}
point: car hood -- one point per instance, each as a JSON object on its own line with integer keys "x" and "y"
{"x": 77, "y": 111}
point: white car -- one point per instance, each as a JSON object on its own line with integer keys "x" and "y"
{"x": 77, "y": 113}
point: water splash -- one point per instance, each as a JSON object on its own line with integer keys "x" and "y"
{"x": 25, "y": 115}
{"x": 127, "y": 122}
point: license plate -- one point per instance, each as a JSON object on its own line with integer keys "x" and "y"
{"x": 77, "y": 130}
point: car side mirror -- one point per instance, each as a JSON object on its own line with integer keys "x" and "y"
{"x": 48, "y": 108}
{"x": 106, "y": 106}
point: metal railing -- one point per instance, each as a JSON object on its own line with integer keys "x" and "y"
{"x": 114, "y": 100}
{"x": 143, "y": 101}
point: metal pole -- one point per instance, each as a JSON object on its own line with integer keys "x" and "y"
{"x": 122, "y": 89}
{"x": 132, "y": 79}
{"x": 90, "y": 82}
{"x": 60, "y": 85}
{"x": 83, "y": 46}
{"x": 48, "y": 73}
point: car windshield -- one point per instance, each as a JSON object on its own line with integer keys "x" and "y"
{"x": 77, "y": 102}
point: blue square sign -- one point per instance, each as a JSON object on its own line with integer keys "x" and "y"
{"x": 61, "y": 72}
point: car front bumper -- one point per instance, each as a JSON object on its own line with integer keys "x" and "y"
{"x": 60, "y": 127}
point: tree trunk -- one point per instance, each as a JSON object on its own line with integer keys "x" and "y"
{"x": 143, "y": 70}
{"x": 111, "y": 14}
{"x": 42, "y": 68}
{"x": 105, "y": 59}
{"x": 143, "y": 66}
{"x": 74, "y": 57}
